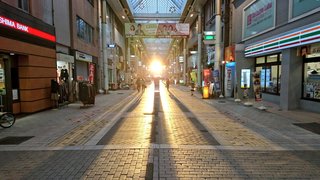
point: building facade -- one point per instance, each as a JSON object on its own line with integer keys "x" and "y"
{"x": 27, "y": 55}
{"x": 281, "y": 40}
{"x": 84, "y": 39}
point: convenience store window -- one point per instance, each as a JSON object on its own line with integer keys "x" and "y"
{"x": 269, "y": 68}
{"x": 311, "y": 84}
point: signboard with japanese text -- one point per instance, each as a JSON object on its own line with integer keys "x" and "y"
{"x": 161, "y": 30}
{"x": 258, "y": 17}
{"x": 91, "y": 73}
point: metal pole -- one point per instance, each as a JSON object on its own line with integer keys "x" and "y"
{"x": 184, "y": 60}
{"x": 217, "y": 57}
{"x": 128, "y": 59}
{"x": 199, "y": 74}
{"x": 104, "y": 46}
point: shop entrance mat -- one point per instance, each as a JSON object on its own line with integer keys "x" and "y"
{"x": 14, "y": 140}
{"x": 313, "y": 127}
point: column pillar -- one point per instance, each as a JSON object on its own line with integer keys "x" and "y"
{"x": 104, "y": 46}
{"x": 291, "y": 83}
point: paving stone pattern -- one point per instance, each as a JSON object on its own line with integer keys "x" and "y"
{"x": 172, "y": 163}
{"x": 199, "y": 141}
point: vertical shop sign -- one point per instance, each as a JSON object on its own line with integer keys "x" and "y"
{"x": 206, "y": 77}
{"x": 216, "y": 80}
{"x": 91, "y": 73}
{"x": 229, "y": 78}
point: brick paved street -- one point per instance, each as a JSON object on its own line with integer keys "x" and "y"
{"x": 166, "y": 135}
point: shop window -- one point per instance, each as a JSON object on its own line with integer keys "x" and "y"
{"x": 272, "y": 58}
{"x": 260, "y": 60}
{"x": 311, "y": 80}
{"x": 24, "y": 5}
{"x": 269, "y": 68}
{"x": 2, "y": 80}
{"x": 84, "y": 30}
{"x": 301, "y": 8}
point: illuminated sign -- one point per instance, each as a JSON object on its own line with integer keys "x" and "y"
{"x": 245, "y": 78}
{"x": 27, "y": 29}
{"x": 111, "y": 45}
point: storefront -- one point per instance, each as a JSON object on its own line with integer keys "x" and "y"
{"x": 269, "y": 70}
{"x": 65, "y": 70}
{"x": 83, "y": 62}
{"x": 27, "y": 61}
{"x": 289, "y": 68}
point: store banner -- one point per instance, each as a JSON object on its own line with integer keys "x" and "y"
{"x": 165, "y": 30}
{"x": 300, "y": 7}
{"x": 258, "y": 17}
{"x": 216, "y": 80}
{"x": 91, "y": 73}
{"x": 206, "y": 77}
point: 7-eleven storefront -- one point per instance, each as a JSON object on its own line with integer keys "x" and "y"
{"x": 289, "y": 68}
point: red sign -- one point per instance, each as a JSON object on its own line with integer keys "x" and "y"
{"x": 27, "y": 29}
{"x": 206, "y": 76}
{"x": 91, "y": 73}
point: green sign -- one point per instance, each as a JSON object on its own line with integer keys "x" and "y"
{"x": 209, "y": 37}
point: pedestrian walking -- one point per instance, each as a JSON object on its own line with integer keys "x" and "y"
{"x": 138, "y": 84}
{"x": 167, "y": 83}
{"x": 192, "y": 86}
{"x": 54, "y": 93}
{"x": 143, "y": 84}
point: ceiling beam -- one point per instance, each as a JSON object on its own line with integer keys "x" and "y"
{"x": 136, "y": 5}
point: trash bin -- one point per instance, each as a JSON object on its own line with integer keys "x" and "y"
{"x": 86, "y": 93}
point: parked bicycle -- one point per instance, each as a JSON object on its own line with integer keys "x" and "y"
{"x": 7, "y": 119}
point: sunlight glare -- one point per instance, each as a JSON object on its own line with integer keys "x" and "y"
{"x": 156, "y": 67}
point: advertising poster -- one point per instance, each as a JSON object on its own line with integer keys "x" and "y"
{"x": 216, "y": 80}
{"x": 258, "y": 17}
{"x": 165, "y": 30}
{"x": 256, "y": 86}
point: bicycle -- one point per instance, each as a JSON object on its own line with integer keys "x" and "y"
{"x": 7, "y": 119}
